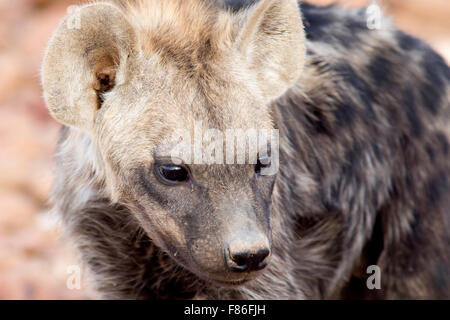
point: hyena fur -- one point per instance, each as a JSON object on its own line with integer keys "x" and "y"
{"x": 364, "y": 149}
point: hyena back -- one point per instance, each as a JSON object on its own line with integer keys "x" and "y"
{"x": 363, "y": 118}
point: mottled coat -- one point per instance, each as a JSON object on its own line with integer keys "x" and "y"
{"x": 364, "y": 174}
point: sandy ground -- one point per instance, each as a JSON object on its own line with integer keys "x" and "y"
{"x": 34, "y": 260}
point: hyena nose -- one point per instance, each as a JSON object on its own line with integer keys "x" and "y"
{"x": 241, "y": 258}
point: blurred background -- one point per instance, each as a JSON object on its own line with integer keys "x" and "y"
{"x": 34, "y": 259}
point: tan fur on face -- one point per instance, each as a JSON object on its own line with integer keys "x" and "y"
{"x": 155, "y": 55}
{"x": 191, "y": 35}
{"x": 185, "y": 32}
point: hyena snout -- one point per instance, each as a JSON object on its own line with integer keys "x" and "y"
{"x": 247, "y": 252}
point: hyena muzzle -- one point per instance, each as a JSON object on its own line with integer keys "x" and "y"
{"x": 363, "y": 177}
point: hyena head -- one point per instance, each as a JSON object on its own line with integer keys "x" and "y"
{"x": 131, "y": 76}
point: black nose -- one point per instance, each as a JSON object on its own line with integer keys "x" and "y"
{"x": 246, "y": 260}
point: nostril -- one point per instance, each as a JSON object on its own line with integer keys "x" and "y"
{"x": 236, "y": 262}
{"x": 260, "y": 259}
{"x": 247, "y": 260}
{"x": 239, "y": 260}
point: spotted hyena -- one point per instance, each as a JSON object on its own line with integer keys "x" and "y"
{"x": 363, "y": 177}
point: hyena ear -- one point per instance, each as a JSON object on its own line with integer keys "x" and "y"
{"x": 272, "y": 39}
{"x": 85, "y": 58}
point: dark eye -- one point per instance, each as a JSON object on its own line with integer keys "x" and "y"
{"x": 173, "y": 174}
{"x": 263, "y": 162}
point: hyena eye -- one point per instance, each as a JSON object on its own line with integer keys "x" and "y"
{"x": 263, "y": 162}
{"x": 173, "y": 174}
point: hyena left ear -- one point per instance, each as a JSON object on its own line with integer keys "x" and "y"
{"x": 272, "y": 40}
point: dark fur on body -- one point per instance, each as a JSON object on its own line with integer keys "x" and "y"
{"x": 364, "y": 179}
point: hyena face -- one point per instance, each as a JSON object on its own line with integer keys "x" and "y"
{"x": 130, "y": 78}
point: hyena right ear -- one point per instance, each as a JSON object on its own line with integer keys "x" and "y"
{"x": 85, "y": 58}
